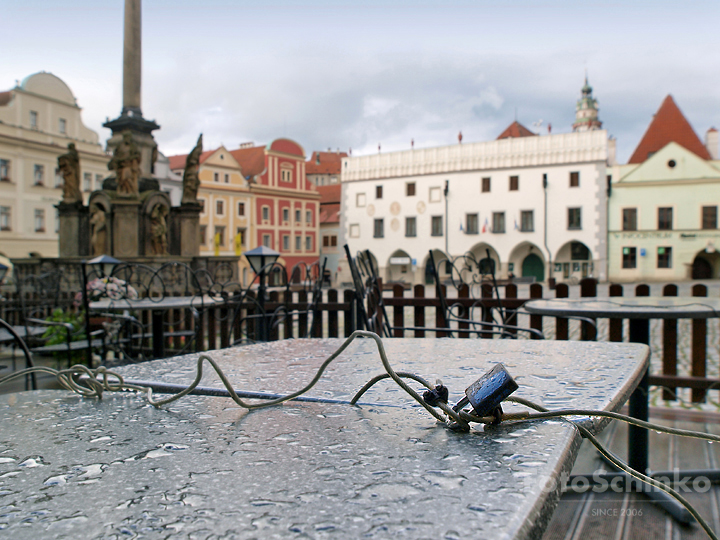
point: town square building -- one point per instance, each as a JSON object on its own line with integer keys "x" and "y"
{"x": 39, "y": 117}
{"x": 663, "y": 208}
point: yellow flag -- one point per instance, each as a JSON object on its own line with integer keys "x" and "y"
{"x": 238, "y": 244}
{"x": 217, "y": 244}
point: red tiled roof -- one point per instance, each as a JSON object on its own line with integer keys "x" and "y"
{"x": 251, "y": 160}
{"x": 516, "y": 129}
{"x": 5, "y": 97}
{"x": 178, "y": 162}
{"x": 329, "y": 194}
{"x": 329, "y": 163}
{"x": 668, "y": 125}
{"x": 330, "y": 213}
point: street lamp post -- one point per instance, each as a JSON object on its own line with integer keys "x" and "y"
{"x": 259, "y": 258}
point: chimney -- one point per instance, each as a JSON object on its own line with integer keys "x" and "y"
{"x": 612, "y": 146}
{"x": 711, "y": 142}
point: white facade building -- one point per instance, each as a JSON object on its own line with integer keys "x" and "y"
{"x": 537, "y": 203}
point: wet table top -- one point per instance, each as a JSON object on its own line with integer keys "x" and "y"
{"x": 201, "y": 467}
{"x": 167, "y": 302}
{"x": 638, "y": 307}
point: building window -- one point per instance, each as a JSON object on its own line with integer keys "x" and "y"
{"x": 203, "y": 234}
{"x": 266, "y": 213}
{"x": 498, "y": 222}
{"x": 201, "y": 202}
{"x": 471, "y": 224}
{"x": 308, "y": 243}
{"x": 59, "y": 180}
{"x": 664, "y": 257}
{"x": 286, "y": 215}
{"x": 298, "y": 243}
{"x": 5, "y": 218}
{"x": 354, "y": 230}
{"x": 267, "y": 242}
{"x": 33, "y": 120}
{"x": 665, "y": 218}
{"x": 574, "y": 179}
{"x": 360, "y": 200}
{"x": 39, "y": 174}
{"x": 87, "y": 181}
{"x": 297, "y": 216}
{"x": 220, "y": 235}
{"x": 378, "y": 192}
{"x": 216, "y": 177}
{"x": 574, "y": 219}
{"x": 57, "y": 220}
{"x": 62, "y": 126}
{"x": 241, "y": 234}
{"x": 629, "y": 219}
{"x": 326, "y": 241}
{"x": 436, "y": 226}
{"x": 629, "y": 257}
{"x": 709, "y": 217}
{"x": 527, "y": 221}
{"x": 308, "y": 217}
{"x": 333, "y": 241}
{"x": 286, "y": 242}
{"x": 39, "y": 220}
{"x": 220, "y": 207}
{"x": 410, "y": 189}
{"x": 410, "y": 227}
{"x": 379, "y": 229}
{"x": 4, "y": 170}
{"x": 514, "y": 183}
{"x": 98, "y": 181}
{"x": 486, "y": 185}
{"x": 286, "y": 175}
{"x": 241, "y": 209}
{"x": 227, "y": 178}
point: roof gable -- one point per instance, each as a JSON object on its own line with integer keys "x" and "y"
{"x": 325, "y": 163}
{"x": 672, "y": 163}
{"x": 516, "y": 129}
{"x": 251, "y": 160}
{"x": 221, "y": 157}
{"x": 668, "y": 125}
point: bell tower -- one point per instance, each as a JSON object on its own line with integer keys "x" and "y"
{"x": 586, "y": 110}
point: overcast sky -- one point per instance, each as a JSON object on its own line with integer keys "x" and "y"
{"x": 341, "y": 74}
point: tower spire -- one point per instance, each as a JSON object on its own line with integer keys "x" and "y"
{"x": 586, "y": 110}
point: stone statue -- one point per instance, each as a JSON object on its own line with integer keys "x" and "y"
{"x": 98, "y": 227}
{"x": 191, "y": 182}
{"x": 126, "y": 164}
{"x": 158, "y": 230}
{"x": 69, "y": 165}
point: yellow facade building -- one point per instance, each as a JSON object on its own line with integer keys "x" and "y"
{"x": 225, "y": 220}
{"x": 38, "y": 118}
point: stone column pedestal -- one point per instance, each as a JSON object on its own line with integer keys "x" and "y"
{"x": 186, "y": 235}
{"x": 74, "y": 235}
{"x": 126, "y": 228}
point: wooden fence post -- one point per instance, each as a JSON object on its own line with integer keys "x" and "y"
{"x": 562, "y": 326}
{"x": 419, "y": 310}
{"x": 699, "y": 347}
{"x": 333, "y": 329}
{"x": 536, "y": 321}
{"x": 615, "y": 330}
{"x": 670, "y": 346}
{"x": 398, "y": 311}
{"x": 588, "y": 289}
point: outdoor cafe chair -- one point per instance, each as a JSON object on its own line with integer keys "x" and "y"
{"x": 17, "y": 341}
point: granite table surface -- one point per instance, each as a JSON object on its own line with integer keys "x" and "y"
{"x": 638, "y": 307}
{"x": 202, "y": 467}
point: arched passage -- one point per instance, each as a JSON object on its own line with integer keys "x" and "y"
{"x": 480, "y": 252}
{"x": 527, "y": 260}
{"x": 706, "y": 265}
{"x": 573, "y": 260}
{"x": 399, "y": 267}
{"x": 439, "y": 258}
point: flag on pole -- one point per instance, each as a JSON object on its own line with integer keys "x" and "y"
{"x": 516, "y": 226}
{"x": 216, "y": 242}
{"x": 485, "y": 226}
{"x": 238, "y": 244}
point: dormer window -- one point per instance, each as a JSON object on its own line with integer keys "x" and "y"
{"x": 62, "y": 126}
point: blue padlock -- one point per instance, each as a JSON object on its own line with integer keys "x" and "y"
{"x": 488, "y": 392}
